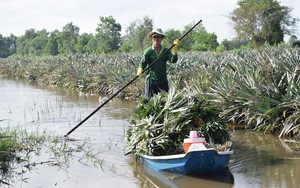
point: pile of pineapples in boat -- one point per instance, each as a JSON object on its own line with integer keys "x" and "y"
{"x": 160, "y": 125}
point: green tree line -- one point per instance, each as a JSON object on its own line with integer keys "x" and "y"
{"x": 107, "y": 39}
{"x": 255, "y": 23}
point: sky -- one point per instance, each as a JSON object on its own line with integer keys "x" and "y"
{"x": 17, "y": 16}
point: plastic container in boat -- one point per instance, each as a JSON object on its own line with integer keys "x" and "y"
{"x": 189, "y": 141}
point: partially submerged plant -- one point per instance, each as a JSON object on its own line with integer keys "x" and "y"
{"x": 161, "y": 124}
{"x": 18, "y": 147}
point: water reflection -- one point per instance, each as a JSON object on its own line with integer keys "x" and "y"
{"x": 263, "y": 160}
{"x": 113, "y": 108}
{"x": 150, "y": 178}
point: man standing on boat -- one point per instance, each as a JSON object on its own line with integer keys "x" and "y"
{"x": 156, "y": 75}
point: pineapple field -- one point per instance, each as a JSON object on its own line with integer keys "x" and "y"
{"x": 258, "y": 89}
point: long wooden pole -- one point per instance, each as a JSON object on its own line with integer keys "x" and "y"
{"x": 136, "y": 77}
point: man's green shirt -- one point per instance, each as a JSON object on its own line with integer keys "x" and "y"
{"x": 157, "y": 74}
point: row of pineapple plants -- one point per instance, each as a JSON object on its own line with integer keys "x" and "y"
{"x": 85, "y": 73}
{"x": 261, "y": 89}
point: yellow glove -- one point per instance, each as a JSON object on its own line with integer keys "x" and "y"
{"x": 175, "y": 47}
{"x": 139, "y": 72}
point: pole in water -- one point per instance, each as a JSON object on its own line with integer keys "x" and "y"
{"x": 136, "y": 77}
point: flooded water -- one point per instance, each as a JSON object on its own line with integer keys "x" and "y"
{"x": 259, "y": 161}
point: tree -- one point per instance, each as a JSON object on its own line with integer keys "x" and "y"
{"x": 135, "y": 38}
{"x": 142, "y": 35}
{"x": 82, "y": 43}
{"x": 91, "y": 46}
{"x": 7, "y": 45}
{"x": 51, "y": 47}
{"x": 198, "y": 39}
{"x": 39, "y": 42}
{"x": 262, "y": 21}
{"x": 204, "y": 41}
{"x": 11, "y": 44}
{"x": 171, "y": 35}
{"x": 32, "y": 43}
{"x": 108, "y": 35}
{"x": 185, "y": 45}
{"x": 234, "y": 43}
{"x": 68, "y": 39}
{"x": 24, "y": 43}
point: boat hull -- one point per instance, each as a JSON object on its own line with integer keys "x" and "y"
{"x": 193, "y": 162}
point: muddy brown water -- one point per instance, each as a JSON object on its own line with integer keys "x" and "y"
{"x": 259, "y": 161}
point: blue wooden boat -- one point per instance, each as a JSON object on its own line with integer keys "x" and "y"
{"x": 197, "y": 160}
